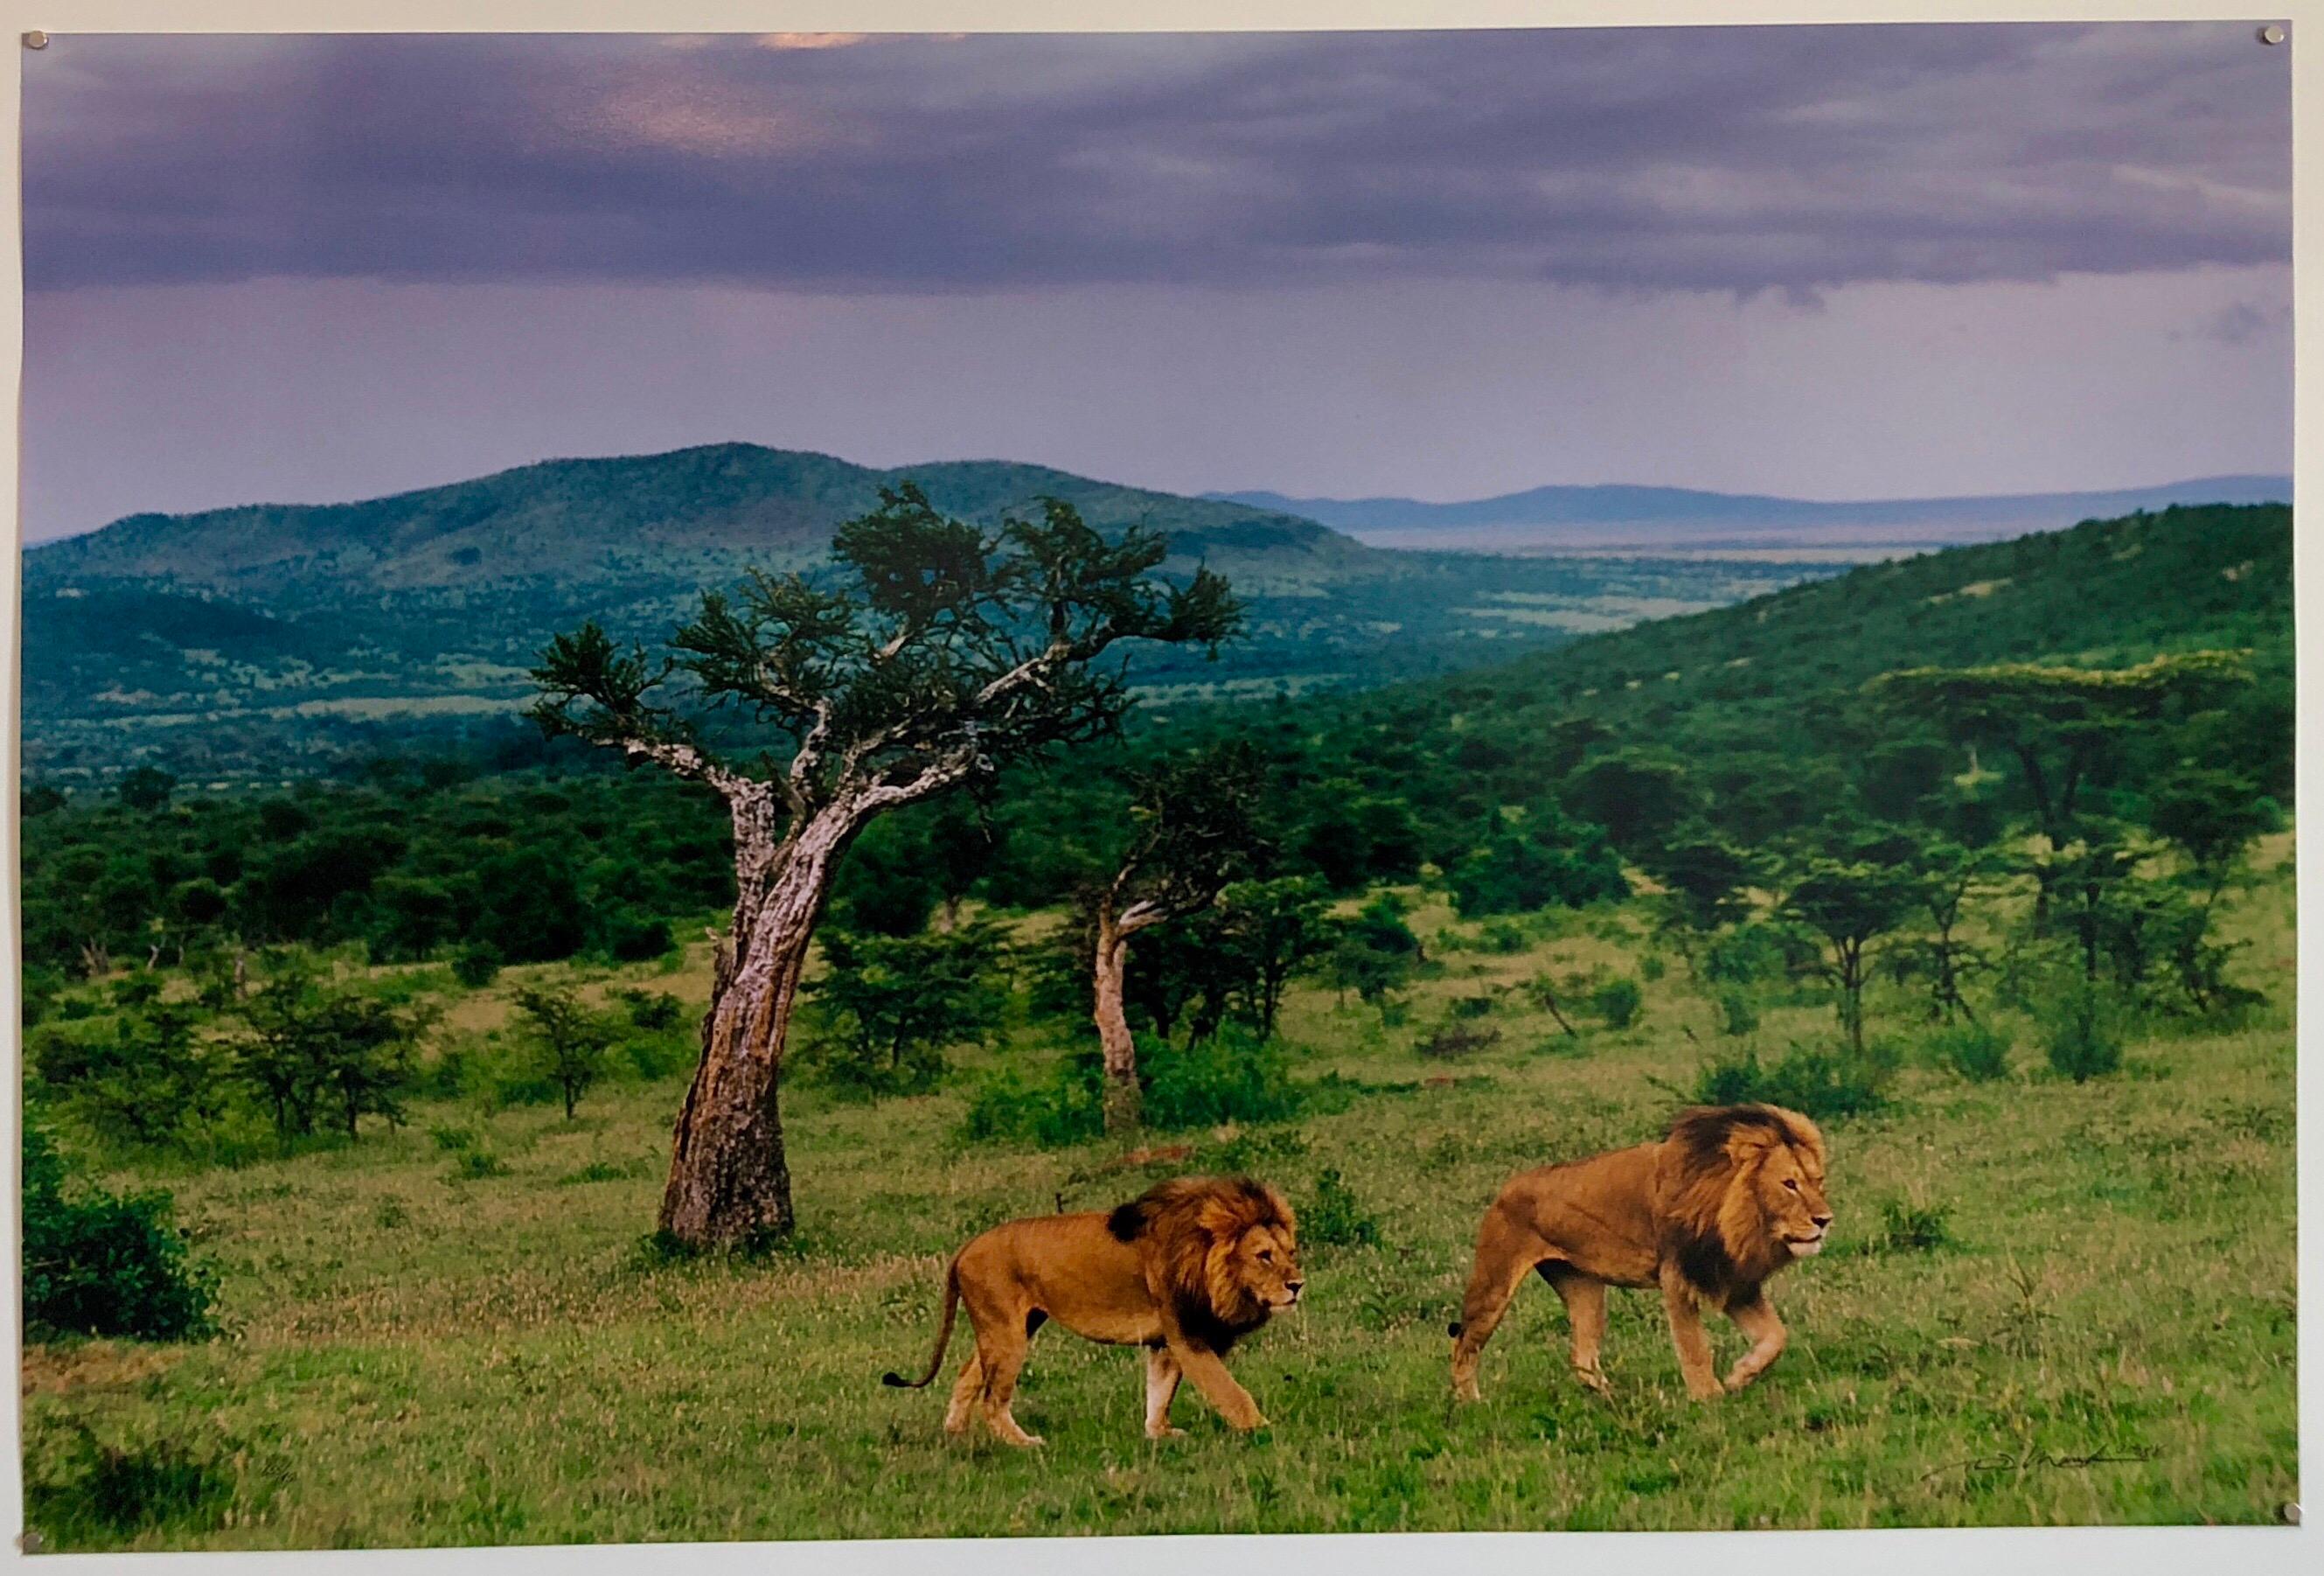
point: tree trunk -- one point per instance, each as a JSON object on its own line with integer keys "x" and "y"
{"x": 729, "y": 1180}
{"x": 1124, "y": 1104}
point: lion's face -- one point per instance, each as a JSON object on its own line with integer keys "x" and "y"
{"x": 1266, "y": 1264}
{"x": 1792, "y": 1198}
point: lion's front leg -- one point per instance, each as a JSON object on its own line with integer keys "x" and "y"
{"x": 1756, "y": 1319}
{"x": 1218, "y": 1386}
{"x": 1161, "y": 1385}
{"x": 1694, "y": 1361}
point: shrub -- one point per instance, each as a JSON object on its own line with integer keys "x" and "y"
{"x": 98, "y": 1264}
{"x": 1471, "y": 1006}
{"x": 477, "y": 1165}
{"x": 1910, "y": 1227}
{"x": 1976, "y": 1052}
{"x": 628, "y": 936}
{"x": 1456, "y": 1040}
{"x": 1335, "y": 1218}
{"x": 1501, "y": 935}
{"x": 452, "y": 1140}
{"x": 1066, "y": 1107}
{"x": 654, "y": 1057}
{"x": 1736, "y": 1016}
{"x": 1815, "y": 1083}
{"x": 651, "y": 1009}
{"x": 2082, "y": 1035}
{"x": 1651, "y": 968}
{"x": 1232, "y": 1077}
{"x": 1745, "y": 955}
{"x": 476, "y": 964}
{"x": 1618, "y": 1001}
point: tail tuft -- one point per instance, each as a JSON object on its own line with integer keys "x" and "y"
{"x": 1453, "y": 1329}
{"x": 896, "y": 1381}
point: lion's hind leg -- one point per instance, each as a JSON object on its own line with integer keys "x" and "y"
{"x": 1001, "y": 1354}
{"x": 965, "y": 1394}
{"x": 1505, "y": 1254}
{"x": 1585, "y": 1310}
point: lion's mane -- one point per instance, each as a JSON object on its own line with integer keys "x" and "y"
{"x": 1190, "y": 1227}
{"x": 1717, "y": 1228}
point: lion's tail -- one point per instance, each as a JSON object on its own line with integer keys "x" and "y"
{"x": 944, "y": 1334}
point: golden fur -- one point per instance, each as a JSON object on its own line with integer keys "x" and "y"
{"x": 1184, "y": 1270}
{"x": 1728, "y": 1197}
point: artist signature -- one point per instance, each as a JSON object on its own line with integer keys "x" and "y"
{"x": 2030, "y": 1460}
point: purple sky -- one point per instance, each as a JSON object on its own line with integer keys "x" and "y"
{"x": 1830, "y": 262}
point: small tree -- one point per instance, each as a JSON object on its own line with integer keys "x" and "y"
{"x": 1268, "y": 932}
{"x": 1375, "y": 953}
{"x": 1951, "y": 875}
{"x": 311, "y": 1052}
{"x": 2213, "y": 816}
{"x": 890, "y": 1005}
{"x": 139, "y": 1084}
{"x": 573, "y": 1041}
{"x": 943, "y": 654}
{"x": 1194, "y": 833}
{"x": 1850, "y": 905}
{"x": 1705, "y": 880}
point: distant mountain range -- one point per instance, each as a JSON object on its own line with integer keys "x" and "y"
{"x": 1567, "y": 519}
{"x": 660, "y": 515}
{"x": 238, "y": 641}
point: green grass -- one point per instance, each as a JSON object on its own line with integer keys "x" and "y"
{"x": 421, "y": 1356}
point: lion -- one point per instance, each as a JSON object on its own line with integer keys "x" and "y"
{"x": 1728, "y": 1198}
{"x": 1185, "y": 1270}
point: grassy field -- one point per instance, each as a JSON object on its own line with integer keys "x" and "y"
{"x": 2088, "y": 1317}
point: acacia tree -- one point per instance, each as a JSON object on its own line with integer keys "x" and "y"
{"x": 1850, "y": 904}
{"x": 942, "y": 653}
{"x": 2060, "y": 724}
{"x": 1193, "y": 816}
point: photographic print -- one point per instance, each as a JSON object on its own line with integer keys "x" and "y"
{"x": 869, "y": 786}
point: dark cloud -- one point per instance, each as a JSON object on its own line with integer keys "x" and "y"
{"x": 1790, "y": 159}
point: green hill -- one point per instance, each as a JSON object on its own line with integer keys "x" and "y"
{"x": 1758, "y": 710}
{"x": 245, "y": 641}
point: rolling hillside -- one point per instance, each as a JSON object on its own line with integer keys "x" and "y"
{"x": 254, "y": 639}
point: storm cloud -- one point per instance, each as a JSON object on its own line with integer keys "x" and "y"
{"x": 1791, "y": 159}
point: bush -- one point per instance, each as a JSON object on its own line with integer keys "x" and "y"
{"x": 1232, "y": 1077}
{"x": 476, "y": 964}
{"x": 1736, "y": 1016}
{"x": 1066, "y": 1107}
{"x": 1815, "y": 1083}
{"x": 1456, "y": 1040}
{"x": 651, "y": 1009}
{"x": 1618, "y": 1001}
{"x": 477, "y": 1165}
{"x": 1976, "y": 1052}
{"x": 96, "y": 1263}
{"x": 628, "y": 936}
{"x": 2082, "y": 1035}
{"x": 1333, "y": 1217}
{"x": 1909, "y": 1227}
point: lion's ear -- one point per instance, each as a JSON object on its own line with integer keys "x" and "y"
{"x": 1128, "y": 1220}
{"x": 1748, "y": 1142}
